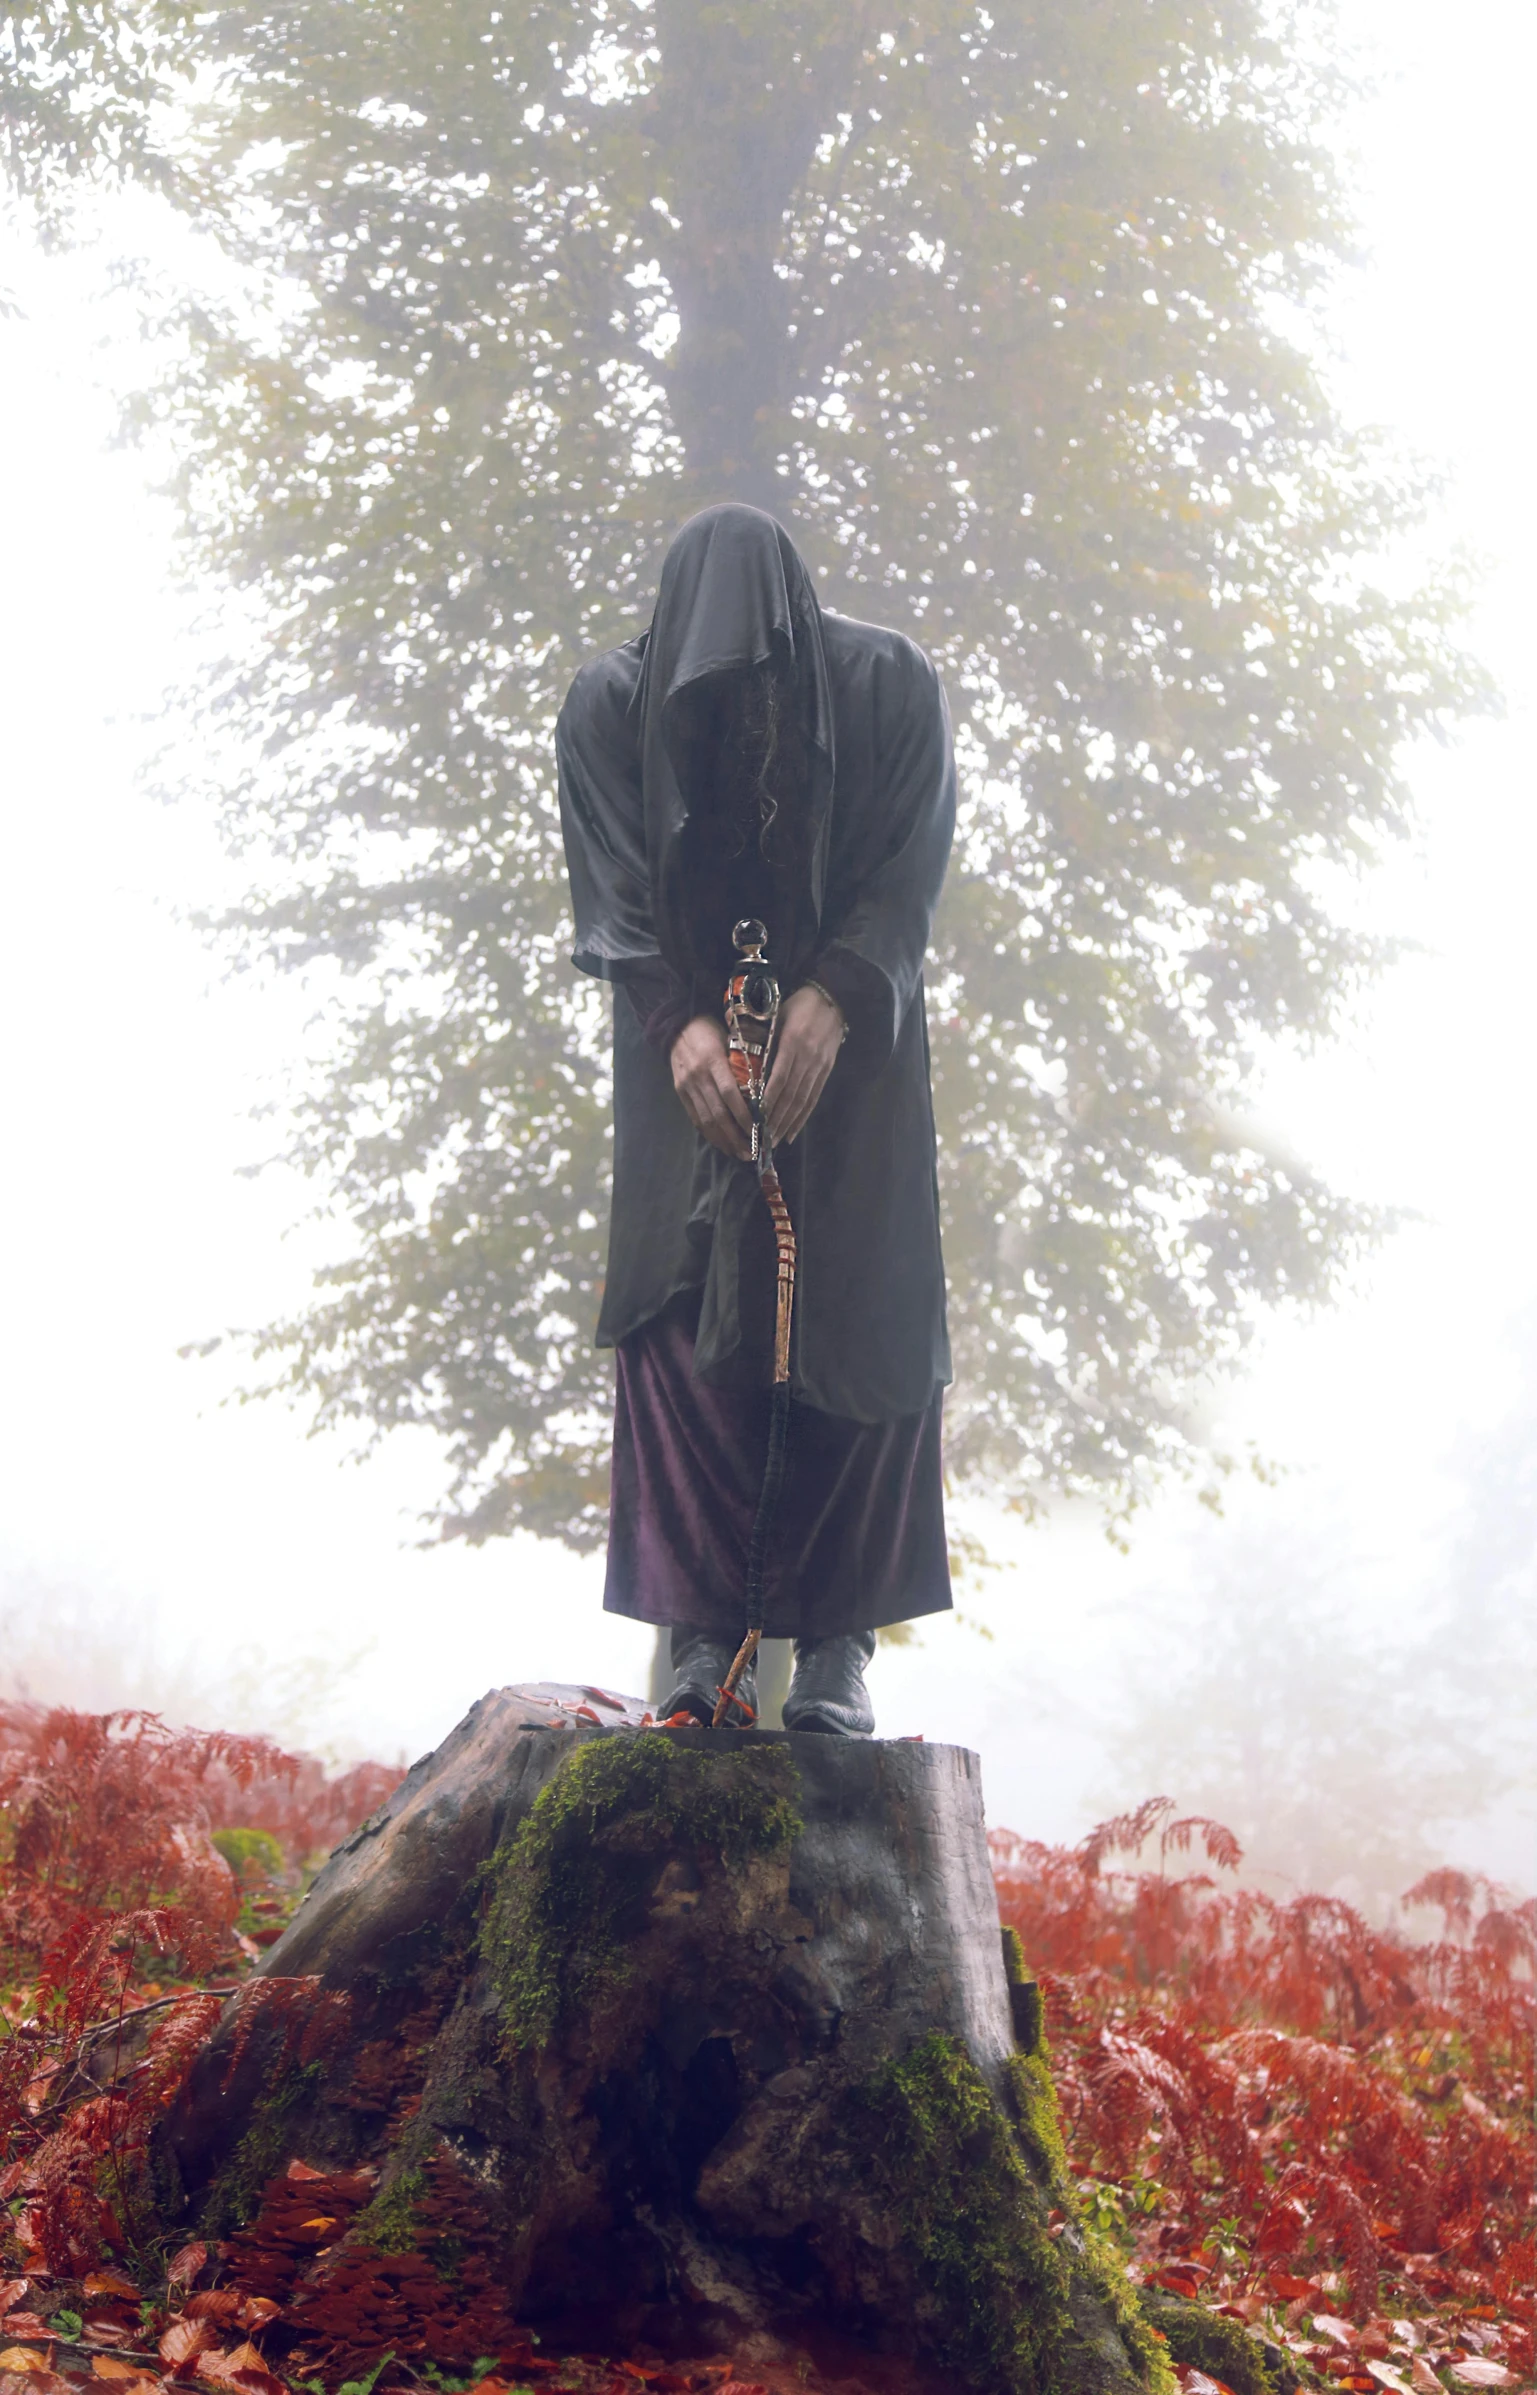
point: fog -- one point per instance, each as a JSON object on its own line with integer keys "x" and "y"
{"x": 1336, "y": 1662}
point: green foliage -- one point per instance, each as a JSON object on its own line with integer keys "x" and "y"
{"x": 943, "y": 2155}
{"x": 252, "y": 1855}
{"x": 81, "y": 82}
{"x": 990, "y": 306}
{"x": 574, "y": 1881}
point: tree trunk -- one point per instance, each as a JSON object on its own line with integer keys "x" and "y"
{"x": 695, "y": 2039}
{"x": 741, "y": 98}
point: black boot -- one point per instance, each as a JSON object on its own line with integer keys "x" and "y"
{"x": 828, "y": 1691}
{"x": 700, "y": 1663}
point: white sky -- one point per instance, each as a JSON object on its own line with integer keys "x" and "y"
{"x": 131, "y": 1071}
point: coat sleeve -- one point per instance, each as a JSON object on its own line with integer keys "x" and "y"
{"x": 874, "y": 964}
{"x": 603, "y": 828}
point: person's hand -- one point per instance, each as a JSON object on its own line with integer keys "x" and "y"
{"x": 708, "y": 1088}
{"x": 810, "y": 1035}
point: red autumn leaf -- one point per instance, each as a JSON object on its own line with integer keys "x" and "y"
{"x": 257, "y": 2310}
{"x": 184, "y": 2340}
{"x": 11, "y": 2292}
{"x": 214, "y": 2303}
{"x": 1289, "y": 2288}
{"x": 302, "y": 2170}
{"x": 186, "y": 2265}
{"x": 110, "y": 2282}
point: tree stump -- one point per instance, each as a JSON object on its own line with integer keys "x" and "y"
{"x": 677, "y": 2037}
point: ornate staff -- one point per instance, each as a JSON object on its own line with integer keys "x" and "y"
{"x": 752, "y": 1015}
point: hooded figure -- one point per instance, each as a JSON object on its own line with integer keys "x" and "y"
{"x": 751, "y": 756}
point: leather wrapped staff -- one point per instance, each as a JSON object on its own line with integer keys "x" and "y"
{"x": 752, "y": 1015}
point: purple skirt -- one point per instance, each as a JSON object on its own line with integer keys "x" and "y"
{"x": 860, "y": 1535}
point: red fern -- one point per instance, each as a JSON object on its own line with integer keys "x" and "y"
{"x": 1280, "y": 2082}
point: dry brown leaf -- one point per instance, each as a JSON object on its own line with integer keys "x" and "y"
{"x": 40, "y": 2381}
{"x": 214, "y": 2303}
{"x": 1387, "y": 2376}
{"x": 21, "y": 2357}
{"x": 186, "y": 2265}
{"x": 11, "y": 2293}
{"x": 302, "y": 2170}
{"x": 110, "y": 2282}
{"x": 108, "y": 2365}
{"x": 184, "y": 2340}
{"x": 1475, "y": 2372}
{"x": 1424, "y": 2377}
{"x": 257, "y": 2310}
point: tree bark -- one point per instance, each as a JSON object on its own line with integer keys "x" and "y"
{"x": 674, "y": 2036}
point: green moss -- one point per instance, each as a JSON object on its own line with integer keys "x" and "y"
{"x": 1103, "y": 2269}
{"x": 235, "y": 2196}
{"x": 575, "y": 1880}
{"x": 390, "y": 2224}
{"x": 943, "y": 2156}
{"x": 1203, "y": 2340}
{"x": 1026, "y": 2008}
{"x": 1035, "y": 2113}
{"x": 1005, "y": 2296}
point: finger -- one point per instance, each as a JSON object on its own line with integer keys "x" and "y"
{"x": 786, "y": 1096}
{"x": 726, "y": 1127}
{"x": 799, "y": 1111}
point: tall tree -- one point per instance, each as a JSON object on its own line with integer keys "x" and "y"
{"x": 85, "y": 89}
{"x": 990, "y": 304}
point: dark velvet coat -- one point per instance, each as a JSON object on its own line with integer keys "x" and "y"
{"x": 853, "y": 913}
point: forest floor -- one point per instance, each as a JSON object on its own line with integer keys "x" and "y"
{"x": 1319, "y": 2130}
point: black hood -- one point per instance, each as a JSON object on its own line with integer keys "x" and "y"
{"x": 735, "y": 595}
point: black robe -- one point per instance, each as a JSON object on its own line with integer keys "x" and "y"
{"x": 851, "y": 910}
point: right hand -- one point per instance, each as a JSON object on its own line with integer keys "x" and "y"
{"x": 708, "y": 1088}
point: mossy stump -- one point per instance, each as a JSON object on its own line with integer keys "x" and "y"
{"x": 672, "y": 2037}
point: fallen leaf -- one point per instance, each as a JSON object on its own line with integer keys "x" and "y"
{"x": 37, "y": 2381}
{"x": 245, "y": 2357}
{"x": 1290, "y": 2288}
{"x": 1424, "y": 2377}
{"x": 1328, "y": 2325}
{"x": 108, "y": 2365}
{"x": 186, "y": 2265}
{"x": 110, "y": 2282}
{"x": 1387, "y": 2376}
{"x": 21, "y": 2357}
{"x": 1196, "y": 2382}
{"x": 1476, "y": 2372}
{"x": 256, "y": 2310}
{"x": 184, "y": 2340}
{"x": 302, "y": 2170}
{"x": 214, "y": 2303}
{"x": 25, "y": 2324}
{"x": 11, "y": 2292}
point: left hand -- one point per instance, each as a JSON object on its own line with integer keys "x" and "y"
{"x": 805, "y": 1051}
